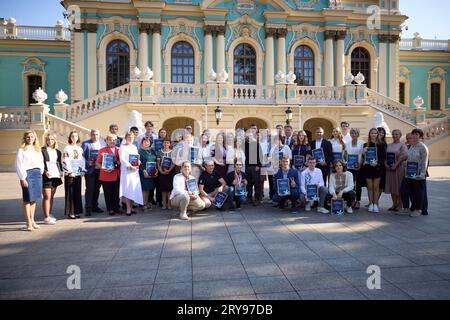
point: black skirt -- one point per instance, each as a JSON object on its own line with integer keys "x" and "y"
{"x": 50, "y": 183}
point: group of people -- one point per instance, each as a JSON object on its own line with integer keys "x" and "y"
{"x": 192, "y": 174}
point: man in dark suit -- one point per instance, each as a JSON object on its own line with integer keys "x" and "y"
{"x": 320, "y": 142}
{"x": 287, "y": 138}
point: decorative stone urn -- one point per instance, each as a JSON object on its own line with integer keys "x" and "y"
{"x": 147, "y": 75}
{"x": 349, "y": 79}
{"x": 280, "y": 77}
{"x": 290, "y": 78}
{"x": 61, "y": 96}
{"x": 40, "y": 96}
{"x": 359, "y": 78}
{"x": 137, "y": 73}
{"x": 212, "y": 75}
{"x": 418, "y": 102}
{"x": 223, "y": 76}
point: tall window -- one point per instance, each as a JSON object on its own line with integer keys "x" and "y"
{"x": 401, "y": 92}
{"x": 117, "y": 64}
{"x": 182, "y": 63}
{"x": 34, "y": 82}
{"x": 435, "y": 96}
{"x": 304, "y": 66}
{"x": 244, "y": 67}
{"x": 361, "y": 63}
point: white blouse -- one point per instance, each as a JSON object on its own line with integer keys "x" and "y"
{"x": 28, "y": 158}
{"x": 337, "y": 146}
{"x": 358, "y": 149}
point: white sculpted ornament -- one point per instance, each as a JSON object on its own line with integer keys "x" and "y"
{"x": 39, "y": 95}
{"x": 137, "y": 73}
{"x": 290, "y": 78}
{"x": 378, "y": 121}
{"x": 280, "y": 77}
{"x": 212, "y": 75}
{"x": 61, "y": 96}
{"x": 135, "y": 120}
{"x": 223, "y": 76}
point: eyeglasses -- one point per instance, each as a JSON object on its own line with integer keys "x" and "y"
{"x": 345, "y": 126}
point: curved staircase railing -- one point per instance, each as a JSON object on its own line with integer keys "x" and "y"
{"x": 390, "y": 106}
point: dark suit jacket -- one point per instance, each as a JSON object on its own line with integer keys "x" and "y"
{"x": 292, "y": 173}
{"x": 283, "y": 139}
{"x": 327, "y": 151}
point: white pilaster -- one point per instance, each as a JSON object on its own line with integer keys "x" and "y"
{"x": 269, "y": 59}
{"x": 340, "y": 60}
{"x": 220, "y": 52}
{"x": 92, "y": 64}
{"x": 281, "y": 50}
{"x": 79, "y": 65}
{"x": 393, "y": 69}
{"x": 143, "y": 50}
{"x": 329, "y": 65}
{"x": 156, "y": 55}
{"x": 208, "y": 54}
{"x": 382, "y": 69}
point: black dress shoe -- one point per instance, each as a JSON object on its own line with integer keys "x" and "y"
{"x": 98, "y": 210}
{"x": 88, "y": 214}
{"x": 133, "y": 212}
{"x": 72, "y": 216}
{"x": 128, "y": 214}
{"x": 77, "y": 216}
{"x": 112, "y": 213}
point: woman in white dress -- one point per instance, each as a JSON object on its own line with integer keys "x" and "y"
{"x": 130, "y": 183}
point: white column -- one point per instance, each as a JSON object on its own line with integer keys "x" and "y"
{"x": 220, "y": 50}
{"x": 156, "y": 54}
{"x": 340, "y": 60}
{"x": 329, "y": 68}
{"x": 92, "y": 64}
{"x": 393, "y": 68}
{"x": 382, "y": 69}
{"x": 208, "y": 53}
{"x": 79, "y": 65}
{"x": 143, "y": 50}
{"x": 269, "y": 59}
{"x": 281, "y": 50}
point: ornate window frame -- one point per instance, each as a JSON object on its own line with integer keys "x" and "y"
{"x": 259, "y": 58}
{"x": 403, "y": 77}
{"x": 436, "y": 75}
{"x": 101, "y": 56}
{"x": 373, "y": 61}
{"x": 29, "y": 70}
{"x": 317, "y": 58}
{"x": 168, "y": 55}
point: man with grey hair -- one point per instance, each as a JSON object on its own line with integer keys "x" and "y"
{"x": 90, "y": 152}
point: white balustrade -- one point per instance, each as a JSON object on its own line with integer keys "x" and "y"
{"x": 425, "y": 44}
{"x": 253, "y": 94}
{"x": 320, "y": 95}
{"x": 180, "y": 92}
{"x": 436, "y": 130}
{"x": 390, "y": 106}
{"x": 14, "y": 118}
{"x": 34, "y": 33}
{"x": 62, "y": 128}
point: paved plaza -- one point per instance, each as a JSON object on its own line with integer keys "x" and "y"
{"x": 258, "y": 253}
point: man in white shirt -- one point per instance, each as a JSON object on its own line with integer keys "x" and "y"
{"x": 182, "y": 198}
{"x": 345, "y": 129}
{"x": 313, "y": 176}
{"x": 148, "y": 133}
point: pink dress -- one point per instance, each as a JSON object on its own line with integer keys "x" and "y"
{"x": 394, "y": 178}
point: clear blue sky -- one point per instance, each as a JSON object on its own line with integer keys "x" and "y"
{"x": 429, "y": 18}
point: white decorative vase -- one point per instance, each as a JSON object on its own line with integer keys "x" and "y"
{"x": 223, "y": 76}
{"x": 359, "y": 78}
{"x": 290, "y": 78}
{"x": 40, "y": 96}
{"x": 61, "y": 96}
{"x": 137, "y": 73}
{"x": 280, "y": 77}
{"x": 349, "y": 79}
{"x": 212, "y": 75}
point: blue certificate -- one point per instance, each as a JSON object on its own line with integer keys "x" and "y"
{"x": 312, "y": 192}
{"x": 318, "y": 155}
{"x": 108, "y": 161}
{"x": 34, "y": 180}
{"x": 220, "y": 199}
{"x": 371, "y": 155}
{"x": 158, "y": 144}
{"x": 352, "y": 160}
{"x": 193, "y": 154}
{"x": 280, "y": 155}
{"x": 134, "y": 160}
{"x": 337, "y": 156}
{"x": 299, "y": 162}
{"x": 192, "y": 186}
{"x": 150, "y": 167}
{"x": 76, "y": 167}
{"x": 390, "y": 158}
{"x": 412, "y": 169}
{"x": 166, "y": 162}
{"x": 239, "y": 191}
{"x": 337, "y": 206}
{"x": 93, "y": 154}
{"x": 283, "y": 187}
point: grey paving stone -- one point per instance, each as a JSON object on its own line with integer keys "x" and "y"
{"x": 252, "y": 258}
{"x": 271, "y": 284}
{"x": 409, "y": 275}
{"x": 386, "y": 292}
{"x": 132, "y": 265}
{"x": 172, "y": 291}
{"x": 222, "y": 288}
{"x": 126, "y": 279}
{"x": 173, "y": 275}
{"x": 70, "y": 294}
{"x": 122, "y": 293}
{"x": 306, "y": 267}
{"x": 216, "y": 260}
{"x": 318, "y": 281}
{"x": 433, "y": 290}
{"x": 345, "y": 264}
{"x": 387, "y": 261}
{"x": 442, "y": 271}
{"x": 359, "y": 278}
{"x": 279, "y": 296}
{"x": 262, "y": 270}
{"x": 219, "y": 272}
{"x": 332, "y": 294}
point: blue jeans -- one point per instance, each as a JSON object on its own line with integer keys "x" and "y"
{"x": 232, "y": 198}
{"x": 293, "y": 197}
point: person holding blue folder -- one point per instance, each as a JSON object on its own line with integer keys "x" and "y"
{"x": 353, "y": 156}
{"x": 166, "y": 167}
{"x": 147, "y": 154}
{"x": 237, "y": 184}
{"x": 29, "y": 168}
{"x": 341, "y": 184}
{"x": 285, "y": 172}
{"x": 313, "y": 176}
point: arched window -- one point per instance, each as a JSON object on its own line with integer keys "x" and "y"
{"x": 182, "y": 63}
{"x": 361, "y": 63}
{"x": 117, "y": 64}
{"x": 304, "y": 66}
{"x": 244, "y": 67}
{"x": 34, "y": 82}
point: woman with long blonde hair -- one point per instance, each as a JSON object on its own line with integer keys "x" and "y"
{"x": 29, "y": 168}
{"x": 338, "y": 144}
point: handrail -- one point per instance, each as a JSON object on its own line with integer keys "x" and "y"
{"x": 14, "y": 118}
{"x": 390, "y": 106}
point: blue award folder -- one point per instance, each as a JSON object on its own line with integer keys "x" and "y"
{"x": 352, "y": 159}
{"x": 371, "y": 155}
{"x": 192, "y": 186}
{"x": 337, "y": 156}
{"x": 93, "y": 154}
{"x": 239, "y": 191}
{"x": 412, "y": 169}
{"x": 337, "y": 206}
{"x": 34, "y": 180}
{"x": 318, "y": 155}
{"x": 150, "y": 167}
{"x": 220, "y": 199}
{"x": 158, "y": 144}
{"x": 299, "y": 162}
{"x": 390, "y": 158}
{"x": 166, "y": 162}
{"x": 76, "y": 167}
{"x": 280, "y": 155}
{"x": 134, "y": 160}
{"x": 108, "y": 161}
{"x": 283, "y": 187}
{"x": 193, "y": 154}
{"x": 312, "y": 192}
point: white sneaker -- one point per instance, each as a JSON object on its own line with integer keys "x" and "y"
{"x": 375, "y": 208}
{"x": 322, "y": 210}
{"x": 349, "y": 210}
{"x": 53, "y": 218}
{"x": 308, "y": 206}
{"x": 183, "y": 216}
{"x": 415, "y": 213}
{"x": 49, "y": 221}
{"x": 370, "y": 208}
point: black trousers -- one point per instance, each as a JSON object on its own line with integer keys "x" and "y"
{"x": 357, "y": 183}
{"x": 92, "y": 190}
{"x": 253, "y": 182}
{"x": 271, "y": 187}
{"x": 73, "y": 201}
{"x": 111, "y": 193}
{"x": 412, "y": 190}
{"x": 348, "y": 197}
{"x": 425, "y": 199}
{"x": 325, "y": 173}
{"x": 158, "y": 192}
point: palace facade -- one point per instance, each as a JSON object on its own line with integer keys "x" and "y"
{"x": 178, "y": 62}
